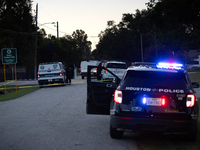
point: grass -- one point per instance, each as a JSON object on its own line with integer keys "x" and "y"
{"x": 152, "y": 141}
{"x": 195, "y": 77}
{"x": 21, "y": 91}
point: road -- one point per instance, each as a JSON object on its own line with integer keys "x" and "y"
{"x": 54, "y": 118}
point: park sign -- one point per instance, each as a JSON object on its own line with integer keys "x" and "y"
{"x": 9, "y": 55}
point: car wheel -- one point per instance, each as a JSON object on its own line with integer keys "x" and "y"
{"x": 191, "y": 137}
{"x": 115, "y": 134}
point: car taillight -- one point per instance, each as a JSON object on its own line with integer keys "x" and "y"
{"x": 61, "y": 73}
{"x": 106, "y": 71}
{"x": 38, "y": 75}
{"x": 190, "y": 101}
{"x": 118, "y": 96}
{"x": 163, "y": 101}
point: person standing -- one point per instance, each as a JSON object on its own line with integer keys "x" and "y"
{"x": 70, "y": 74}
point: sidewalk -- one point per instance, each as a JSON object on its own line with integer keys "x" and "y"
{"x": 20, "y": 82}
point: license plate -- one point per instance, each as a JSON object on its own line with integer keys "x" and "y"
{"x": 49, "y": 80}
{"x": 154, "y": 101}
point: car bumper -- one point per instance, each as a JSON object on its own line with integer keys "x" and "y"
{"x": 155, "y": 125}
{"x": 50, "y": 81}
{"x": 84, "y": 74}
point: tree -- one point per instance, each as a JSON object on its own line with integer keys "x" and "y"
{"x": 83, "y": 46}
{"x": 67, "y": 49}
{"x": 168, "y": 28}
{"x": 17, "y": 29}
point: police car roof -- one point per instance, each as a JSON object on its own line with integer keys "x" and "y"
{"x": 45, "y": 63}
{"x": 142, "y": 68}
{"x": 119, "y": 62}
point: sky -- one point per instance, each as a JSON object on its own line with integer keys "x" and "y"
{"x": 91, "y": 16}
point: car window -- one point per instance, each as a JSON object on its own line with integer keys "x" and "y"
{"x": 155, "y": 79}
{"x": 97, "y": 75}
{"x": 116, "y": 65}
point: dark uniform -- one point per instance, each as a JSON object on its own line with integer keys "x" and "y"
{"x": 70, "y": 74}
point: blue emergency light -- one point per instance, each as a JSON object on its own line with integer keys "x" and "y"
{"x": 175, "y": 66}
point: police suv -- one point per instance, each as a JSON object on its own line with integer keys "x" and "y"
{"x": 158, "y": 98}
{"x": 51, "y": 72}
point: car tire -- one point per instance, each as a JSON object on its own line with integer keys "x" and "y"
{"x": 115, "y": 134}
{"x": 191, "y": 137}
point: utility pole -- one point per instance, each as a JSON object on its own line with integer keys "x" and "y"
{"x": 155, "y": 41}
{"x": 57, "y": 30}
{"x": 141, "y": 47}
{"x": 36, "y": 16}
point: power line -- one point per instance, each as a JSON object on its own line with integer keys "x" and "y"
{"x": 68, "y": 33}
{"x": 17, "y": 32}
{"x": 47, "y": 13}
{"x": 61, "y": 31}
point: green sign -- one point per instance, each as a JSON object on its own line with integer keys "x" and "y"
{"x": 9, "y": 55}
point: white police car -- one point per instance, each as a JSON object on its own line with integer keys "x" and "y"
{"x": 157, "y": 98}
{"x": 51, "y": 72}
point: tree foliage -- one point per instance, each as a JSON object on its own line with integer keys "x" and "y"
{"x": 67, "y": 49}
{"x": 17, "y": 29}
{"x": 166, "y": 28}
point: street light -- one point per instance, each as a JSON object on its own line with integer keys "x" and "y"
{"x": 47, "y": 23}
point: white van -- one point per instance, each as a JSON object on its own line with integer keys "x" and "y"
{"x": 85, "y": 64}
{"x": 51, "y": 72}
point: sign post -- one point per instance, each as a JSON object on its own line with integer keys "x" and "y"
{"x": 9, "y": 56}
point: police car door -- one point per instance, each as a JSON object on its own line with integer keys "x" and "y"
{"x": 101, "y": 84}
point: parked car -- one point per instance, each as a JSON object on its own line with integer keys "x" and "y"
{"x": 51, "y": 72}
{"x": 117, "y": 67}
{"x": 84, "y": 65}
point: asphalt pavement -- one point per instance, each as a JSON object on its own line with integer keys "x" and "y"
{"x": 54, "y": 118}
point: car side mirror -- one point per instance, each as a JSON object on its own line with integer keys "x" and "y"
{"x": 195, "y": 85}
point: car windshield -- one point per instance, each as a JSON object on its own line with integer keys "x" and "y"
{"x": 155, "y": 79}
{"x": 116, "y": 65}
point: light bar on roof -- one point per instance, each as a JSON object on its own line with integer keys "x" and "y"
{"x": 170, "y": 66}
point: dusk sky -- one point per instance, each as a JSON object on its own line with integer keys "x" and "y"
{"x": 90, "y": 16}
